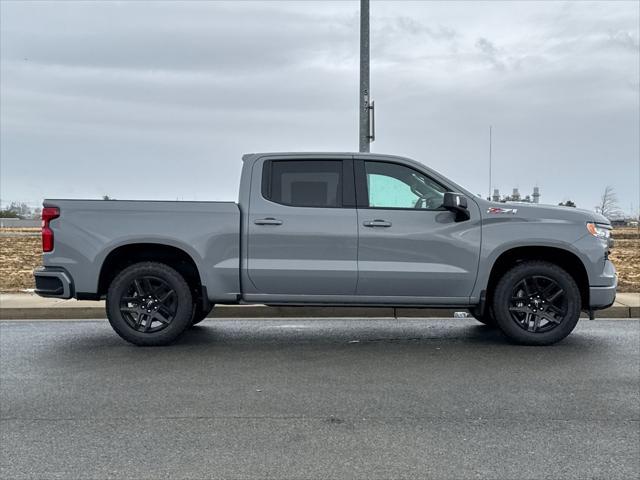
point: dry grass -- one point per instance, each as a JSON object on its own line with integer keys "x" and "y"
{"x": 20, "y": 253}
{"x": 626, "y": 257}
{"x": 20, "y": 230}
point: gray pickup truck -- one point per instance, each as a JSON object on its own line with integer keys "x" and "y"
{"x": 338, "y": 229}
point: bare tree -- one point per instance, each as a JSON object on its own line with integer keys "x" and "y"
{"x": 608, "y": 205}
{"x": 21, "y": 209}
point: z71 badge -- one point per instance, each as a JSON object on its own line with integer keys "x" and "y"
{"x": 507, "y": 211}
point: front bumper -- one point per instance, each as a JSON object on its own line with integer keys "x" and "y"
{"x": 603, "y": 296}
{"x": 53, "y": 282}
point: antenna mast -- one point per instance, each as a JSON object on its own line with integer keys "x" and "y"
{"x": 490, "y": 159}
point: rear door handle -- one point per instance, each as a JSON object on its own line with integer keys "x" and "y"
{"x": 268, "y": 221}
{"x": 377, "y": 223}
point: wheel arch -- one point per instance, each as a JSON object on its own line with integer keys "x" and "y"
{"x": 565, "y": 259}
{"x": 125, "y": 255}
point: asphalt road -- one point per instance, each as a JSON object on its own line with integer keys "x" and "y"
{"x": 319, "y": 399}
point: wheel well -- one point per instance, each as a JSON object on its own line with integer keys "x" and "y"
{"x": 563, "y": 258}
{"x": 122, "y": 257}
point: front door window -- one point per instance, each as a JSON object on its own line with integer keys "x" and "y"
{"x": 396, "y": 186}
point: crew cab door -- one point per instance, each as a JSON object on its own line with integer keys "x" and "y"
{"x": 302, "y": 229}
{"x": 410, "y": 248}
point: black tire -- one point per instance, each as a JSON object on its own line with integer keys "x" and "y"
{"x": 487, "y": 317}
{"x": 199, "y": 313}
{"x": 537, "y": 303}
{"x": 149, "y": 303}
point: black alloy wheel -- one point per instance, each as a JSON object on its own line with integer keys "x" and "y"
{"x": 536, "y": 303}
{"x": 149, "y": 303}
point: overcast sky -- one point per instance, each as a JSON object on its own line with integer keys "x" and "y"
{"x": 159, "y": 100}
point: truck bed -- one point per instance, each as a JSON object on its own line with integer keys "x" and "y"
{"x": 88, "y": 231}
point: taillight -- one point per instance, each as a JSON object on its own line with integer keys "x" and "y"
{"x": 48, "y": 214}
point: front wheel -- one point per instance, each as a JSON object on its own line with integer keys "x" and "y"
{"x": 537, "y": 303}
{"x": 149, "y": 303}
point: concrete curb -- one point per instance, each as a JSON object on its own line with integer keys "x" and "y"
{"x": 262, "y": 311}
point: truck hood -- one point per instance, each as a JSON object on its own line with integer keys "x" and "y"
{"x": 539, "y": 211}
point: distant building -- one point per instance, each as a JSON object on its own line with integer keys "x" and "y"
{"x": 516, "y": 197}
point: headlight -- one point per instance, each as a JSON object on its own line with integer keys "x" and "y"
{"x": 599, "y": 230}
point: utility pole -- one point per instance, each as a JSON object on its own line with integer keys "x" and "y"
{"x": 366, "y": 112}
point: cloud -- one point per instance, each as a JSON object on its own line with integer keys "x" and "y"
{"x": 625, "y": 39}
{"x": 156, "y": 35}
{"x": 490, "y": 53}
{"x": 410, "y": 25}
{"x": 177, "y": 91}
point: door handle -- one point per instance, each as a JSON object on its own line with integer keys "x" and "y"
{"x": 377, "y": 223}
{"x": 268, "y": 221}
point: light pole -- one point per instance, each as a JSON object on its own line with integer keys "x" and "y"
{"x": 366, "y": 111}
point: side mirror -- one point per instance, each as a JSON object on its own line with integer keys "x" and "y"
{"x": 457, "y": 203}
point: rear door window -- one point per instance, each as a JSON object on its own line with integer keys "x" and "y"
{"x": 304, "y": 183}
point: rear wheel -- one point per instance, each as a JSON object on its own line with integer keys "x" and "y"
{"x": 149, "y": 303}
{"x": 537, "y": 303}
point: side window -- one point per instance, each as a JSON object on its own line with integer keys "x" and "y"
{"x": 303, "y": 183}
{"x": 390, "y": 185}
{"x": 389, "y": 192}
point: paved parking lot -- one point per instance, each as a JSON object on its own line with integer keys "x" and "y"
{"x": 319, "y": 399}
